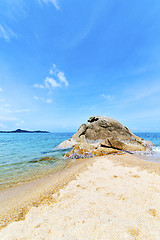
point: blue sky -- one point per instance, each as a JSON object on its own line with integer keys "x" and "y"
{"x": 64, "y": 61}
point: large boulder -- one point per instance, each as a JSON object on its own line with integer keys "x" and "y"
{"x": 103, "y": 135}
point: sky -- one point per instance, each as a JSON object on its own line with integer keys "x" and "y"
{"x": 64, "y": 61}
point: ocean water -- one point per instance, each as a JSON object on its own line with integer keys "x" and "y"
{"x": 154, "y": 138}
{"x": 20, "y": 154}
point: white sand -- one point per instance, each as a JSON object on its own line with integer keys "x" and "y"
{"x": 108, "y": 201}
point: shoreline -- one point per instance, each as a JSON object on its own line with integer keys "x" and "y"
{"x": 33, "y": 176}
{"x": 17, "y": 200}
{"x": 46, "y": 191}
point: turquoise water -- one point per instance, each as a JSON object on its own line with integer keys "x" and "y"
{"x": 154, "y": 138}
{"x": 20, "y": 154}
{"x": 154, "y": 156}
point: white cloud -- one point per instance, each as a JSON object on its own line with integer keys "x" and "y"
{"x": 59, "y": 75}
{"x": 1, "y": 89}
{"x": 8, "y": 114}
{"x": 59, "y": 79}
{"x": 36, "y": 85}
{"x": 51, "y": 71}
{"x": 62, "y": 78}
{"x": 54, "y": 2}
{"x": 109, "y": 98}
{"x": 50, "y": 82}
{"x": 5, "y": 107}
{"x": 18, "y": 111}
{"x": 6, "y": 33}
{"x": 48, "y": 100}
{"x": 6, "y": 118}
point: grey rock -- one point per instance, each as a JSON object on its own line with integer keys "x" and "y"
{"x": 104, "y": 132}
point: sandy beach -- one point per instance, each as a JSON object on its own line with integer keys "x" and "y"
{"x": 108, "y": 197}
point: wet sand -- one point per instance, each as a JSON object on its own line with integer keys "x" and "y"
{"x": 16, "y": 201}
{"x": 109, "y": 197}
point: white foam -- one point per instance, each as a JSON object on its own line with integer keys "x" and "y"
{"x": 156, "y": 149}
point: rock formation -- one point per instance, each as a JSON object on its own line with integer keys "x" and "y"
{"x": 103, "y": 135}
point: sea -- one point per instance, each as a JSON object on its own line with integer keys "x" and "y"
{"x": 21, "y": 155}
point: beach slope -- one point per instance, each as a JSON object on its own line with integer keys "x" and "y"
{"x": 116, "y": 197}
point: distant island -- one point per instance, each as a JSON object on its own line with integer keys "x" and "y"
{"x": 23, "y": 131}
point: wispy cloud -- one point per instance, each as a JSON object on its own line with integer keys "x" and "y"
{"x": 9, "y": 114}
{"x": 18, "y": 111}
{"x": 14, "y": 10}
{"x": 51, "y": 82}
{"x": 48, "y": 100}
{"x": 54, "y": 2}
{"x": 2, "y": 126}
{"x": 20, "y": 123}
{"x": 6, "y": 33}
{"x": 62, "y": 78}
{"x": 94, "y": 14}
{"x": 48, "y": 83}
{"x": 8, "y": 118}
{"x": 109, "y": 98}
{"x": 56, "y": 79}
{"x": 5, "y": 107}
{"x": 37, "y": 85}
{"x": 1, "y": 89}
{"x": 142, "y": 91}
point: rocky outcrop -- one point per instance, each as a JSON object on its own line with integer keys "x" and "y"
{"x": 42, "y": 159}
{"x": 103, "y": 135}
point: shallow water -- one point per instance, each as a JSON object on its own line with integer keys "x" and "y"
{"x": 154, "y": 156}
{"x": 20, "y": 154}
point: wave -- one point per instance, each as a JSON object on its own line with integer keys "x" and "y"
{"x": 156, "y": 150}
